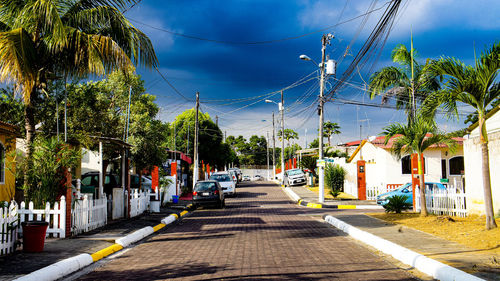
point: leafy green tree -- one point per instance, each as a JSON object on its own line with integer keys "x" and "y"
{"x": 329, "y": 129}
{"x": 42, "y": 41}
{"x": 334, "y": 179}
{"x": 11, "y": 108}
{"x": 478, "y": 87}
{"x": 314, "y": 143}
{"x": 416, "y": 137}
{"x": 399, "y": 82}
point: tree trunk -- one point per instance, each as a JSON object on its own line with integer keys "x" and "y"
{"x": 29, "y": 124}
{"x": 488, "y": 201}
{"x": 423, "y": 206}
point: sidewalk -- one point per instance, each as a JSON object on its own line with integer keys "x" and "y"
{"x": 473, "y": 261}
{"x": 19, "y": 263}
{"x": 312, "y": 197}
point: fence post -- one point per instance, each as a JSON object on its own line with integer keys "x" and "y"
{"x": 63, "y": 212}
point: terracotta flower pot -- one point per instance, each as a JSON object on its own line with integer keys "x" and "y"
{"x": 34, "y": 235}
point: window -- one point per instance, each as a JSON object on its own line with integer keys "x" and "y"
{"x": 2, "y": 164}
{"x": 456, "y": 165}
{"x": 406, "y": 165}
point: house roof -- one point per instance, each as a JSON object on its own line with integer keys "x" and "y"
{"x": 9, "y": 129}
{"x": 380, "y": 142}
{"x": 488, "y": 115}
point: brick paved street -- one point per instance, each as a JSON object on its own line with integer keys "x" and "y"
{"x": 259, "y": 236}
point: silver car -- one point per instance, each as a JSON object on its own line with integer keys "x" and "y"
{"x": 294, "y": 177}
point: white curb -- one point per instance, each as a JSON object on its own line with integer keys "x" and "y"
{"x": 168, "y": 220}
{"x": 292, "y": 194}
{"x": 135, "y": 236}
{"x": 426, "y": 265}
{"x": 369, "y": 207}
{"x": 59, "y": 269}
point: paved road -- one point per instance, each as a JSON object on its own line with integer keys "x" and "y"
{"x": 259, "y": 236}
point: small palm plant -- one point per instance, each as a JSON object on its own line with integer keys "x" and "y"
{"x": 334, "y": 179}
{"x": 397, "y": 203}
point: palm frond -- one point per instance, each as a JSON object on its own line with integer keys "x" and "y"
{"x": 18, "y": 60}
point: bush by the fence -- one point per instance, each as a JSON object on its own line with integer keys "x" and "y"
{"x": 397, "y": 203}
{"x": 334, "y": 178}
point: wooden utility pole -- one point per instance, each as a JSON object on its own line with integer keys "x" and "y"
{"x": 196, "y": 128}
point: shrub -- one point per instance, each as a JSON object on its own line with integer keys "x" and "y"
{"x": 397, "y": 203}
{"x": 334, "y": 179}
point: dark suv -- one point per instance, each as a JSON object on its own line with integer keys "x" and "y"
{"x": 90, "y": 183}
{"x": 208, "y": 193}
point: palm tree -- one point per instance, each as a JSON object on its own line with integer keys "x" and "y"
{"x": 329, "y": 129}
{"x": 416, "y": 137}
{"x": 408, "y": 84}
{"x": 41, "y": 41}
{"x": 478, "y": 87}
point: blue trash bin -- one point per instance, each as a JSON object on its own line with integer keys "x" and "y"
{"x": 175, "y": 199}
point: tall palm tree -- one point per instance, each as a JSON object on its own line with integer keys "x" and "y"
{"x": 416, "y": 137}
{"x": 478, "y": 87}
{"x": 329, "y": 129}
{"x": 408, "y": 84}
{"x": 42, "y": 41}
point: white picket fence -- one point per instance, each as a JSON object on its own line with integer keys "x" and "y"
{"x": 373, "y": 191}
{"x": 139, "y": 203}
{"x": 88, "y": 215}
{"x": 8, "y": 226}
{"x": 56, "y": 217}
{"x": 443, "y": 202}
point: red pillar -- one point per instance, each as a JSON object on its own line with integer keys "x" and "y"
{"x": 295, "y": 163}
{"x": 414, "y": 174}
{"x": 155, "y": 178}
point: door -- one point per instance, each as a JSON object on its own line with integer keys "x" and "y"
{"x": 361, "y": 180}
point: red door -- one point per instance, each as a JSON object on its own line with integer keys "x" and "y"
{"x": 361, "y": 180}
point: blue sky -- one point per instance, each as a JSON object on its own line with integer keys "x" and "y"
{"x": 234, "y": 77}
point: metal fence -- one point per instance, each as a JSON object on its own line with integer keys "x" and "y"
{"x": 139, "y": 203}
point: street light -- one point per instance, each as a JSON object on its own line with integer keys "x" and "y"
{"x": 325, "y": 40}
{"x": 282, "y": 111}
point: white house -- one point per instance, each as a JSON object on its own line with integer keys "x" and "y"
{"x": 382, "y": 168}
{"x": 473, "y": 167}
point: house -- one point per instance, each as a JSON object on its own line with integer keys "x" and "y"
{"x": 381, "y": 168}
{"x": 8, "y": 134}
{"x": 473, "y": 167}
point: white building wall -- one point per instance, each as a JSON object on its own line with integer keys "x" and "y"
{"x": 473, "y": 173}
{"x": 90, "y": 161}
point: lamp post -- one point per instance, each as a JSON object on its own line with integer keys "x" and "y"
{"x": 281, "y": 108}
{"x": 325, "y": 40}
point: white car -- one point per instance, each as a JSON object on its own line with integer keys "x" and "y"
{"x": 226, "y": 182}
{"x": 246, "y": 178}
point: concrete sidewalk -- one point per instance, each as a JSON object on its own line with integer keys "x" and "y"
{"x": 312, "y": 197}
{"x": 18, "y": 264}
{"x": 476, "y": 262}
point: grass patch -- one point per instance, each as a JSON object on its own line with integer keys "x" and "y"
{"x": 469, "y": 231}
{"x": 342, "y": 195}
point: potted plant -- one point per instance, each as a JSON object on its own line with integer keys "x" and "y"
{"x": 45, "y": 183}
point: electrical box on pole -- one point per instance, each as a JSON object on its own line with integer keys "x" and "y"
{"x": 331, "y": 67}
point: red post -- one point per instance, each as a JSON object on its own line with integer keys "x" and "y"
{"x": 295, "y": 163}
{"x": 208, "y": 170}
{"x": 155, "y": 178}
{"x": 414, "y": 174}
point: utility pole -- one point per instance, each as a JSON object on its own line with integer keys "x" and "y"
{"x": 282, "y": 109}
{"x": 325, "y": 40}
{"x": 274, "y": 157}
{"x": 128, "y": 112}
{"x": 195, "y": 168}
{"x": 267, "y": 152}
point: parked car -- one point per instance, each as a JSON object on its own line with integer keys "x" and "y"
{"x": 208, "y": 193}
{"x": 90, "y": 183}
{"x": 406, "y": 190}
{"x": 257, "y": 177}
{"x": 233, "y": 176}
{"x": 294, "y": 177}
{"x": 246, "y": 178}
{"x": 146, "y": 184}
{"x": 225, "y": 180}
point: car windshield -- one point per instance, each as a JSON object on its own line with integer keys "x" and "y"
{"x": 205, "y": 186}
{"x": 220, "y": 177}
{"x": 294, "y": 172}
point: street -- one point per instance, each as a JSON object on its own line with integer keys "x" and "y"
{"x": 260, "y": 235}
